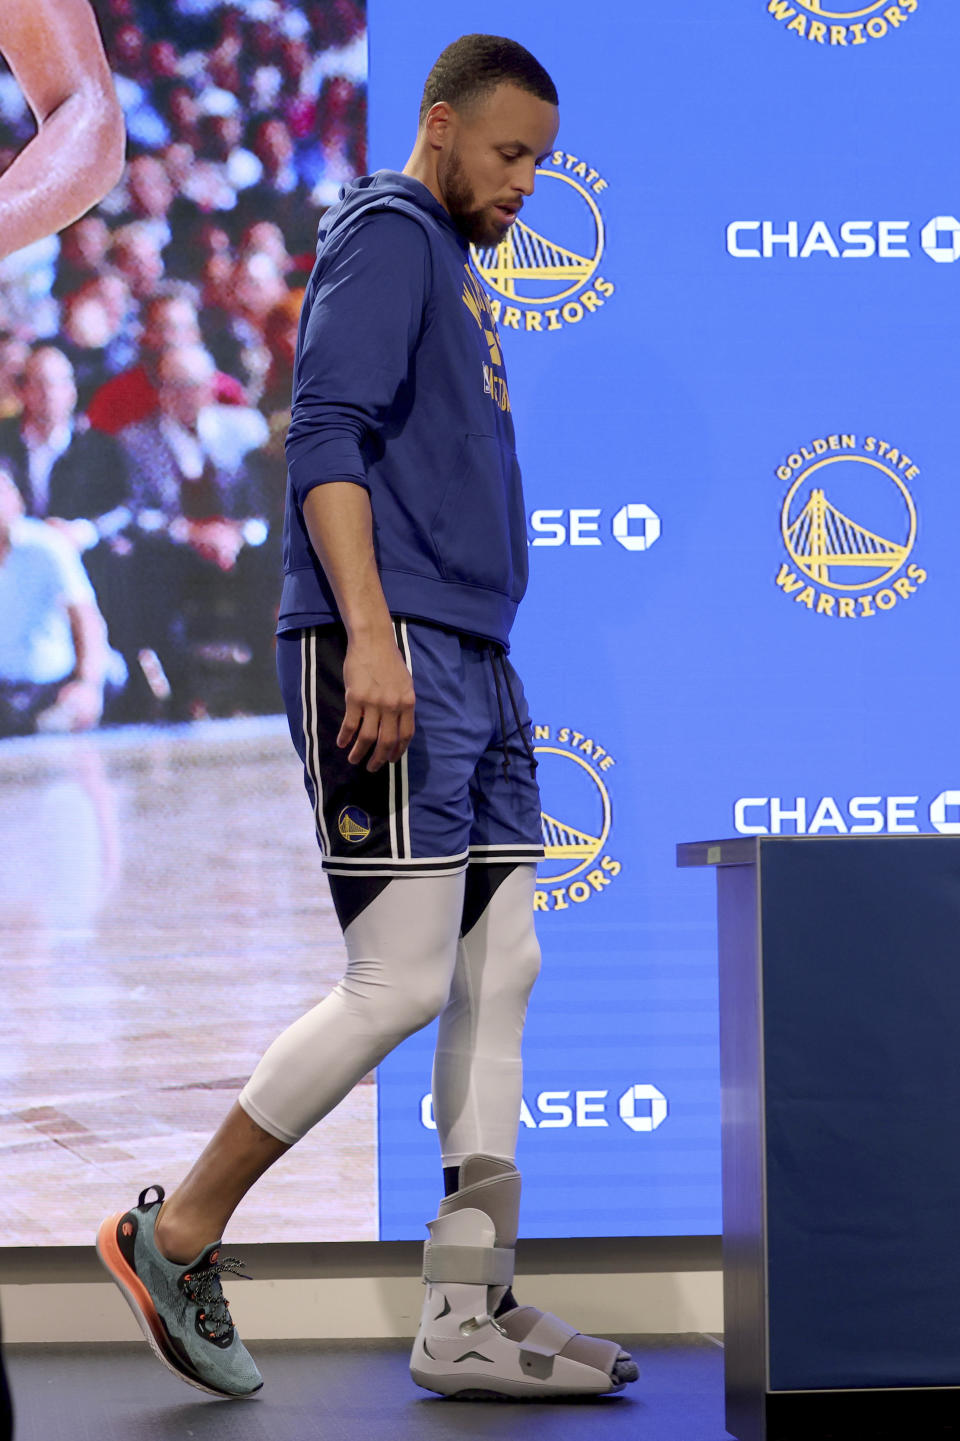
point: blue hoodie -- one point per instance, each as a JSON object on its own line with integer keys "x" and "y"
{"x": 399, "y": 386}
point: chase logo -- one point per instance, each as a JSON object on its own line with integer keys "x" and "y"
{"x": 353, "y": 824}
{"x": 819, "y": 240}
{"x": 842, "y": 22}
{"x": 642, "y": 1108}
{"x": 847, "y": 815}
{"x": 577, "y": 820}
{"x": 849, "y": 526}
{"x": 544, "y": 273}
{"x": 940, "y": 238}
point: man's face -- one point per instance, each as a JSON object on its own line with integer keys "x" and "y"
{"x": 273, "y": 146}
{"x": 150, "y": 190}
{"x": 49, "y": 392}
{"x": 140, "y": 263}
{"x": 224, "y": 132}
{"x": 183, "y": 398}
{"x": 486, "y": 166}
{"x": 86, "y": 241}
{"x": 257, "y": 286}
{"x": 114, "y": 293}
{"x": 185, "y": 384}
{"x": 183, "y": 110}
{"x": 170, "y": 323}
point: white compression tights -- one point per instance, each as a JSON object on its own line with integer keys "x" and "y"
{"x": 407, "y": 964}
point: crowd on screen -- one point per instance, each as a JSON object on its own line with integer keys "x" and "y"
{"x": 146, "y": 362}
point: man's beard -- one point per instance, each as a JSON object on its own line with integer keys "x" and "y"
{"x": 460, "y": 201}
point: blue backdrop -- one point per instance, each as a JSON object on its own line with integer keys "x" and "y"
{"x": 729, "y": 324}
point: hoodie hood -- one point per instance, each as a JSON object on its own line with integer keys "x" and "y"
{"x": 383, "y": 190}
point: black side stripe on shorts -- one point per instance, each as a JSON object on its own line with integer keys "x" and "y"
{"x": 311, "y": 737}
{"x": 399, "y": 780}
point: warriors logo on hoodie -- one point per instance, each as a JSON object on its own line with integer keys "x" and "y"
{"x": 475, "y": 299}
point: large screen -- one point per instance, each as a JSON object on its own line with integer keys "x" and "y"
{"x": 728, "y": 317}
{"x": 164, "y": 911}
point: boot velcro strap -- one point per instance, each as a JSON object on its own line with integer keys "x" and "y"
{"x": 548, "y": 1335}
{"x": 468, "y": 1265}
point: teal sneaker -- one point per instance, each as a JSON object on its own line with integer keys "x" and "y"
{"x": 180, "y": 1309}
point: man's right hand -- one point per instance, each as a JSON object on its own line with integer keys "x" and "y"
{"x": 380, "y": 702}
{"x": 377, "y": 684}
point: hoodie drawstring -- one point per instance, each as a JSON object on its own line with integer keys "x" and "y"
{"x": 496, "y": 654}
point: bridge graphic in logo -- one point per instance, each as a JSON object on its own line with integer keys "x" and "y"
{"x": 535, "y": 270}
{"x": 353, "y": 824}
{"x": 578, "y": 787}
{"x": 835, "y": 550}
{"x": 822, "y": 537}
{"x": 564, "y": 843}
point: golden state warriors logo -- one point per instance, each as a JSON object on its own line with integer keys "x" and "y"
{"x": 849, "y": 525}
{"x": 842, "y": 22}
{"x": 353, "y": 824}
{"x": 545, "y": 271}
{"x": 576, "y": 819}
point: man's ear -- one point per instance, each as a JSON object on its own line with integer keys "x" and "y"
{"x": 437, "y": 125}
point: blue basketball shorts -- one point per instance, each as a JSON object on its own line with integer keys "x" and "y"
{"x": 464, "y": 792}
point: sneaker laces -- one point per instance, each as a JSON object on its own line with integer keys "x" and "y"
{"x": 204, "y": 1288}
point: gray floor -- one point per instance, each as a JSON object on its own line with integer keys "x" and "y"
{"x": 347, "y": 1391}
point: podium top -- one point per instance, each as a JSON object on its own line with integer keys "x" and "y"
{"x": 745, "y": 850}
{"x": 734, "y": 851}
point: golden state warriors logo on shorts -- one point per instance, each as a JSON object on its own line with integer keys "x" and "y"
{"x": 849, "y": 526}
{"x": 545, "y": 273}
{"x": 353, "y": 824}
{"x": 576, "y": 820}
{"x": 842, "y": 22}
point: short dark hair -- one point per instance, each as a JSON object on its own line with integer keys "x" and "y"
{"x": 474, "y": 65}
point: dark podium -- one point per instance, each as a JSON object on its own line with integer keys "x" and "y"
{"x": 840, "y": 1069}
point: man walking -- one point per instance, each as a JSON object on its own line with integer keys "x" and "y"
{"x": 405, "y": 559}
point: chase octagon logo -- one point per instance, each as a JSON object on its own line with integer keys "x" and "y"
{"x": 544, "y": 274}
{"x": 576, "y": 820}
{"x": 842, "y": 22}
{"x": 848, "y": 523}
